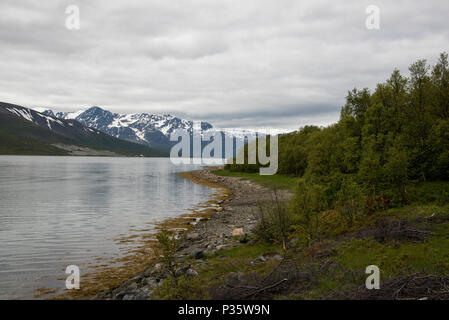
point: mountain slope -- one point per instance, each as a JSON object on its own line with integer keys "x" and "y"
{"x": 26, "y": 131}
{"x": 143, "y": 128}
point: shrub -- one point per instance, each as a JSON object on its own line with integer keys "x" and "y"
{"x": 274, "y": 221}
{"x": 179, "y": 288}
{"x": 168, "y": 247}
{"x": 306, "y": 207}
{"x": 350, "y": 200}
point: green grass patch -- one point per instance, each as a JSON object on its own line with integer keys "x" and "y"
{"x": 284, "y": 182}
{"x": 219, "y": 265}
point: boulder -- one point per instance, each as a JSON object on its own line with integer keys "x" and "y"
{"x": 267, "y": 256}
{"x": 193, "y": 236}
{"x": 191, "y": 273}
{"x": 197, "y": 254}
{"x": 238, "y": 232}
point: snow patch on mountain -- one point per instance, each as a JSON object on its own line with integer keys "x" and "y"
{"x": 144, "y": 128}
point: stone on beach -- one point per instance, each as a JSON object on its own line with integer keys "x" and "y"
{"x": 221, "y": 247}
{"x": 238, "y": 232}
{"x": 193, "y": 236}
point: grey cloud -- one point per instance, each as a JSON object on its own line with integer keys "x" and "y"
{"x": 281, "y": 63}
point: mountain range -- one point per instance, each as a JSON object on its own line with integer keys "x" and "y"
{"x": 150, "y": 129}
{"x": 27, "y": 131}
{"x": 96, "y": 131}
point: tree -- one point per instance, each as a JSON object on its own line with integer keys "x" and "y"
{"x": 395, "y": 170}
{"x": 370, "y": 169}
{"x": 440, "y": 81}
{"x": 306, "y": 206}
{"x": 350, "y": 199}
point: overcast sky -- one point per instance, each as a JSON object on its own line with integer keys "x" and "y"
{"x": 242, "y": 63}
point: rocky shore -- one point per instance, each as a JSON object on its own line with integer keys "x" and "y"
{"x": 233, "y": 218}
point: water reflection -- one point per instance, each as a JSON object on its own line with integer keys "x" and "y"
{"x": 56, "y": 211}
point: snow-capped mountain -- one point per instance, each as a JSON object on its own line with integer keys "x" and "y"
{"x": 28, "y": 131}
{"x": 143, "y": 128}
{"x": 47, "y": 120}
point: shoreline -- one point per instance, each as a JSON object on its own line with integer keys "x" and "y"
{"x": 114, "y": 272}
{"x": 231, "y": 217}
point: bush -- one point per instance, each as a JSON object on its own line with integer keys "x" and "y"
{"x": 350, "y": 200}
{"x": 274, "y": 221}
{"x": 179, "y": 288}
{"x": 168, "y": 249}
{"x": 427, "y": 192}
{"x": 306, "y": 207}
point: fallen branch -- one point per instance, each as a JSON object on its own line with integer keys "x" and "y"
{"x": 274, "y": 270}
{"x": 266, "y": 288}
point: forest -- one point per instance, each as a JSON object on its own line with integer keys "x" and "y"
{"x": 371, "y": 190}
{"x": 386, "y": 139}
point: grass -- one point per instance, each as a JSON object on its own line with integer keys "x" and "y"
{"x": 430, "y": 256}
{"x": 393, "y": 258}
{"x": 349, "y": 255}
{"x": 283, "y": 182}
{"x": 212, "y": 274}
{"x": 237, "y": 259}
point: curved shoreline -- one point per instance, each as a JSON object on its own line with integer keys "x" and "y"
{"x": 233, "y": 213}
{"x": 112, "y": 272}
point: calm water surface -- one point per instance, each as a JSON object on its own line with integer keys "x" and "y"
{"x": 58, "y": 211}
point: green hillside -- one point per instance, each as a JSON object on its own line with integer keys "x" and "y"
{"x": 22, "y": 137}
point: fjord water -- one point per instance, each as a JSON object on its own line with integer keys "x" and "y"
{"x": 60, "y": 211}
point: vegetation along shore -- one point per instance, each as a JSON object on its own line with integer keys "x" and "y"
{"x": 371, "y": 189}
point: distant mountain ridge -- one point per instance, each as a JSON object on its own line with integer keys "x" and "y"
{"x": 144, "y": 128}
{"x": 27, "y": 131}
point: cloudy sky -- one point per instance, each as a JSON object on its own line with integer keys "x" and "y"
{"x": 242, "y": 63}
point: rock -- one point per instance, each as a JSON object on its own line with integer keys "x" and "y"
{"x": 150, "y": 282}
{"x": 187, "y": 223}
{"x": 143, "y": 295}
{"x": 244, "y": 240}
{"x": 277, "y": 257}
{"x": 238, "y": 232}
{"x": 267, "y": 256}
{"x": 193, "y": 236}
{"x": 132, "y": 286}
{"x": 129, "y": 297}
{"x": 148, "y": 272}
{"x": 197, "y": 254}
{"x": 120, "y": 295}
{"x": 259, "y": 260}
{"x": 219, "y": 209}
{"x": 221, "y": 247}
{"x": 191, "y": 273}
{"x": 252, "y": 242}
{"x": 200, "y": 263}
{"x": 158, "y": 266}
{"x": 181, "y": 271}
